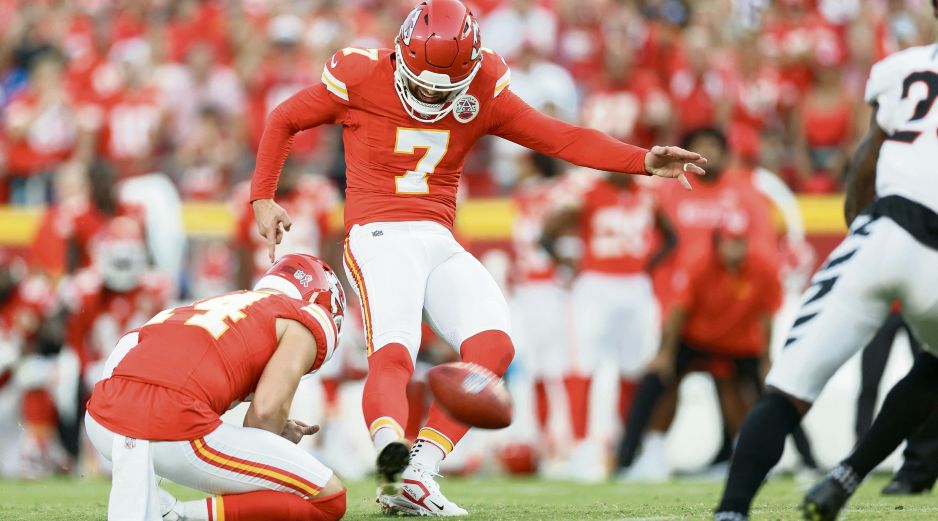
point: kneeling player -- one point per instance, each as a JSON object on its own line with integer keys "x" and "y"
{"x": 166, "y": 384}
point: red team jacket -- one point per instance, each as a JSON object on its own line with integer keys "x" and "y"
{"x": 193, "y": 363}
{"x": 401, "y": 169}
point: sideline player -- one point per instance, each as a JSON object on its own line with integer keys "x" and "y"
{"x": 625, "y": 235}
{"x": 157, "y": 412}
{"x": 409, "y": 117}
{"x": 890, "y": 252}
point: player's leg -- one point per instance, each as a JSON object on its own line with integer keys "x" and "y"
{"x": 254, "y": 475}
{"x": 908, "y": 268}
{"x": 872, "y": 365}
{"x": 645, "y": 411}
{"x": 594, "y": 315}
{"x": 466, "y": 307}
{"x": 839, "y": 314}
{"x": 905, "y": 408}
{"x": 638, "y": 336}
{"x": 388, "y": 268}
{"x": 540, "y": 334}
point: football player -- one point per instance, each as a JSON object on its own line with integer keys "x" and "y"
{"x": 409, "y": 117}
{"x": 890, "y": 252}
{"x": 157, "y": 412}
{"x": 625, "y": 235}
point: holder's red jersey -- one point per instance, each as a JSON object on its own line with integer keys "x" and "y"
{"x": 617, "y": 228}
{"x": 192, "y": 363}
{"x": 402, "y": 169}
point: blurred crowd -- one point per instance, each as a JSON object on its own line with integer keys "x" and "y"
{"x": 183, "y": 86}
{"x": 116, "y": 112}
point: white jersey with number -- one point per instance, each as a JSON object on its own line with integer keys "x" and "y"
{"x": 904, "y": 85}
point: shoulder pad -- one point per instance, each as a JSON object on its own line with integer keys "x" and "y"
{"x": 886, "y": 72}
{"x": 349, "y": 66}
{"x": 499, "y": 66}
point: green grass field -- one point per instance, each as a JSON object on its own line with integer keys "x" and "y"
{"x": 502, "y": 499}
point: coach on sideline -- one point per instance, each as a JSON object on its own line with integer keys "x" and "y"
{"x": 721, "y": 322}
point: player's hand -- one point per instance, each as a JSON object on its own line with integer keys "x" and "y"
{"x": 294, "y": 430}
{"x": 272, "y": 221}
{"x": 674, "y": 162}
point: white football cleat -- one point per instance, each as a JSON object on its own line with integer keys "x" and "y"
{"x": 586, "y": 463}
{"x": 170, "y": 507}
{"x": 420, "y": 496}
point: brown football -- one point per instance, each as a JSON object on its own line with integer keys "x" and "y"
{"x": 471, "y": 394}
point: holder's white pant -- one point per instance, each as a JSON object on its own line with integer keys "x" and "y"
{"x": 229, "y": 460}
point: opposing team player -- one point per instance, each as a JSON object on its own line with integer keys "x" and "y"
{"x": 166, "y": 384}
{"x": 409, "y": 116}
{"x": 890, "y": 252}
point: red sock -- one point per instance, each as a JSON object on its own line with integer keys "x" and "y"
{"x": 491, "y": 349}
{"x": 626, "y": 393}
{"x": 384, "y": 400}
{"x": 578, "y": 396}
{"x": 541, "y": 404}
{"x": 417, "y": 408}
{"x": 38, "y": 408}
{"x": 283, "y": 506}
{"x": 330, "y": 391}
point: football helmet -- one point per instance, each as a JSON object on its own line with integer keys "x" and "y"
{"x": 308, "y": 278}
{"x": 438, "y": 52}
{"x": 119, "y": 254}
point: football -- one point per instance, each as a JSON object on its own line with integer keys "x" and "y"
{"x": 471, "y": 394}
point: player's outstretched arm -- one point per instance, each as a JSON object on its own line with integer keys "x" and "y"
{"x": 295, "y": 354}
{"x": 306, "y": 109}
{"x": 861, "y": 170}
{"x": 515, "y": 120}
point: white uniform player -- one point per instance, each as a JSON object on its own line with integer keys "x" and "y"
{"x": 892, "y": 248}
{"x": 890, "y": 253}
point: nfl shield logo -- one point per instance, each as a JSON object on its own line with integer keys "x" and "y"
{"x": 465, "y": 108}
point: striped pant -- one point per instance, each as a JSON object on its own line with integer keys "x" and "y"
{"x": 229, "y": 460}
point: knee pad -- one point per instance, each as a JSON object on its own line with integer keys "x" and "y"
{"x": 491, "y": 349}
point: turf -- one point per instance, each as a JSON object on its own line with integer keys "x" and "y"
{"x": 502, "y": 499}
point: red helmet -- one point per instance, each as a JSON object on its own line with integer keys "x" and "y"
{"x": 308, "y": 278}
{"x": 438, "y": 52}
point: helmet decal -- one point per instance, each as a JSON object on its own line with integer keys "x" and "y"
{"x": 303, "y": 278}
{"x": 465, "y": 108}
{"x": 407, "y": 30}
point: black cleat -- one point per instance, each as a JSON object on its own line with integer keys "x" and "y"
{"x": 899, "y": 487}
{"x": 392, "y": 460}
{"x": 824, "y": 501}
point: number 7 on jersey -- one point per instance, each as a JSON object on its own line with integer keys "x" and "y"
{"x": 408, "y": 140}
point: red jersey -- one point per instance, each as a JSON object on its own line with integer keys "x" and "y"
{"x": 193, "y": 363}
{"x": 697, "y": 213}
{"x": 624, "y": 110}
{"x": 98, "y": 316}
{"x": 402, "y": 169}
{"x": 310, "y": 204}
{"x": 48, "y": 137}
{"x": 73, "y": 222}
{"x": 617, "y": 228}
{"x": 533, "y": 203}
{"x": 726, "y": 311}
{"x": 130, "y": 126}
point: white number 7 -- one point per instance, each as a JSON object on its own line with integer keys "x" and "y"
{"x": 408, "y": 140}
